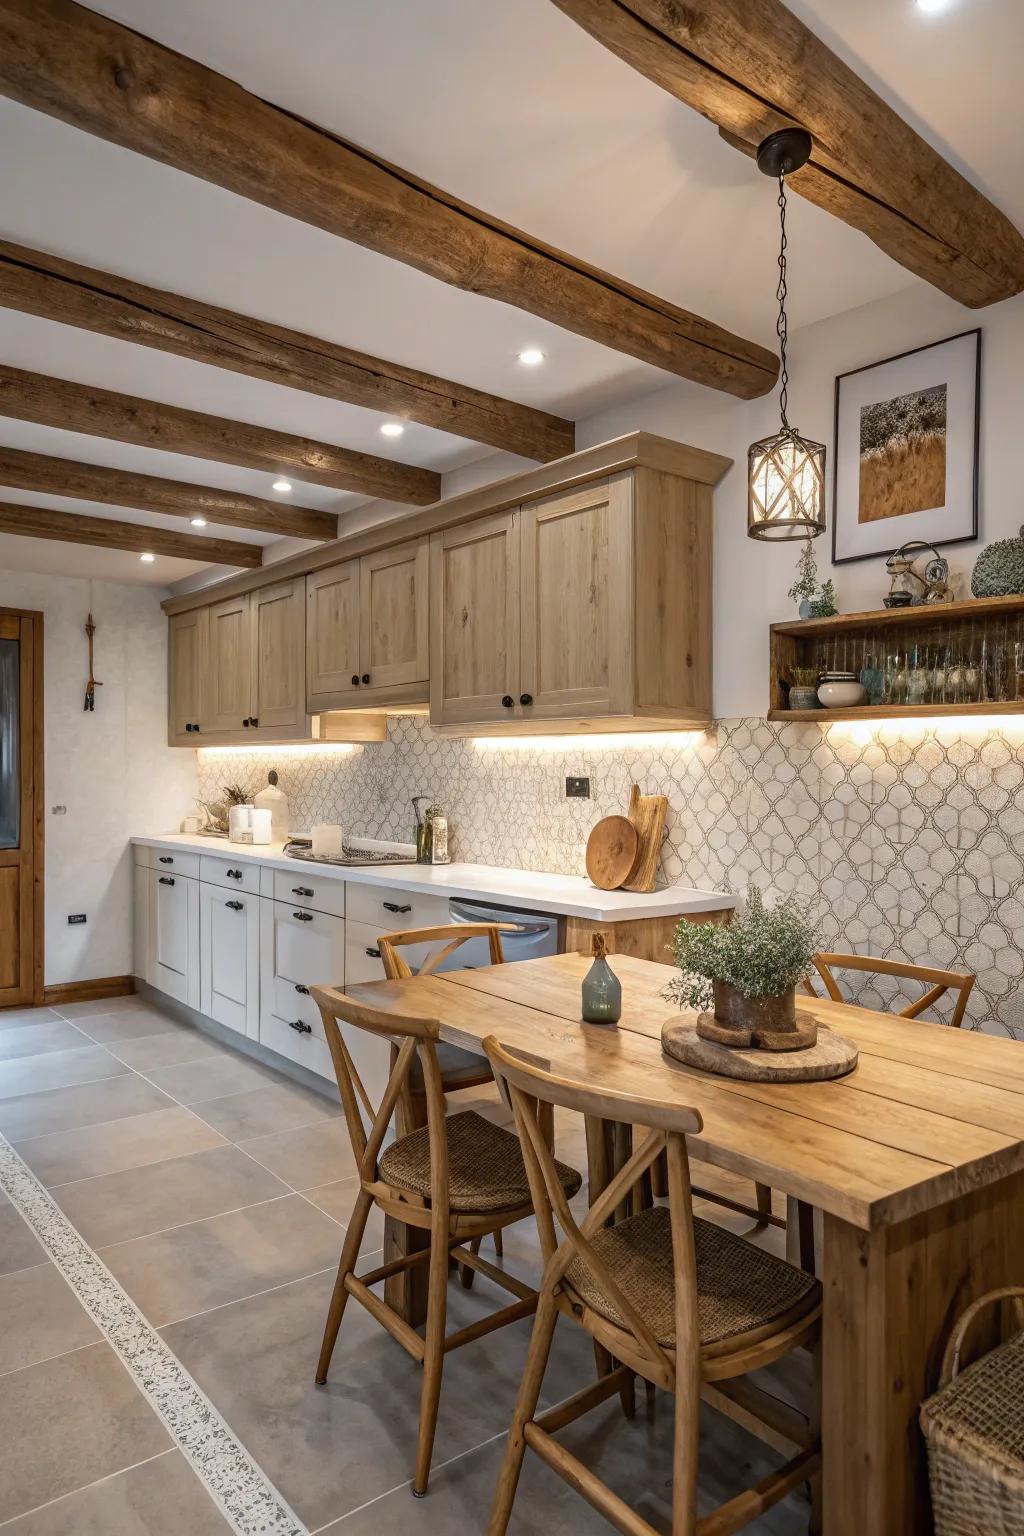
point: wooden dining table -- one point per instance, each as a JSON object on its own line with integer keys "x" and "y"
{"x": 915, "y": 1160}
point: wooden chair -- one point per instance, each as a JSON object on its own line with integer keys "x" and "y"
{"x": 677, "y": 1300}
{"x": 938, "y": 982}
{"x": 457, "y": 1178}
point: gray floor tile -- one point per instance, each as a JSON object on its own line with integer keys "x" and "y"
{"x": 59, "y": 1109}
{"x": 206, "y": 1264}
{"x": 17, "y": 1018}
{"x": 265, "y": 1111}
{"x": 67, "y": 1422}
{"x": 338, "y": 1200}
{"x": 128, "y": 1143}
{"x": 162, "y": 1497}
{"x": 35, "y": 1039}
{"x": 314, "y": 1154}
{"x": 57, "y": 1069}
{"x": 19, "y": 1246}
{"x": 138, "y": 1201}
{"x": 130, "y": 1024}
{"x": 194, "y": 1082}
{"x": 41, "y": 1318}
{"x": 167, "y": 1050}
{"x": 87, "y": 1009}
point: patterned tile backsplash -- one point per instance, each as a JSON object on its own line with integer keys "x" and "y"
{"x": 912, "y": 838}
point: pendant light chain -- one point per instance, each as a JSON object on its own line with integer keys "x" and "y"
{"x": 782, "y": 324}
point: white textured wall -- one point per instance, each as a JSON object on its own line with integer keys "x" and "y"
{"x": 112, "y": 768}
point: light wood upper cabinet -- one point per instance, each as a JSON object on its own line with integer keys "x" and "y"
{"x": 227, "y": 681}
{"x": 279, "y": 660}
{"x": 366, "y": 630}
{"x": 186, "y": 649}
{"x": 474, "y": 619}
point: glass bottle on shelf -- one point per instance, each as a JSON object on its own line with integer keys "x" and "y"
{"x": 602, "y": 990}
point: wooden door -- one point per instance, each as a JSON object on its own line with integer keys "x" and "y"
{"x": 279, "y": 659}
{"x": 393, "y": 622}
{"x": 474, "y": 621}
{"x": 187, "y": 644}
{"x": 577, "y": 603}
{"x": 228, "y": 687}
{"x": 332, "y": 637}
{"x": 21, "y": 808}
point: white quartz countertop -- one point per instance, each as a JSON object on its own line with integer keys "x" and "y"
{"x": 566, "y": 895}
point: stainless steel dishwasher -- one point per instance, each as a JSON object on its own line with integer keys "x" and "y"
{"x": 527, "y": 936}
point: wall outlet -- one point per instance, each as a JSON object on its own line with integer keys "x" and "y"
{"x": 577, "y": 789}
{"x": 76, "y": 917}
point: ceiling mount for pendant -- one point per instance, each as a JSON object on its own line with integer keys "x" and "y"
{"x": 782, "y": 153}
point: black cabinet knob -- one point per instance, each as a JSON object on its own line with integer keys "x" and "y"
{"x": 189, "y": 727}
{"x": 355, "y": 679}
{"x": 526, "y": 698}
{"x": 196, "y": 729}
{"x": 366, "y": 677}
{"x": 255, "y": 720}
{"x": 165, "y": 858}
{"x": 247, "y": 722}
{"x": 166, "y": 880}
{"x": 302, "y": 1029}
{"x": 236, "y": 906}
{"x": 300, "y": 988}
{"x": 303, "y": 917}
{"x": 234, "y": 874}
{"x": 374, "y": 954}
{"x": 507, "y": 701}
{"x": 392, "y": 906}
{"x": 302, "y": 890}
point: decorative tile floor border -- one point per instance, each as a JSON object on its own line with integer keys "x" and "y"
{"x": 241, "y": 1490}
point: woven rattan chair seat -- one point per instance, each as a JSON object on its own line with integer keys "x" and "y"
{"x": 486, "y": 1171}
{"x": 739, "y": 1286}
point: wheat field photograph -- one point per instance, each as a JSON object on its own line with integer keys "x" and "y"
{"x": 903, "y": 455}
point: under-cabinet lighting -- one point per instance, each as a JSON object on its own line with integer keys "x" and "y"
{"x": 311, "y": 750}
{"x": 612, "y": 741}
{"x": 531, "y": 357}
{"x": 942, "y": 728}
{"x": 392, "y": 429}
{"x": 198, "y": 522}
{"x": 147, "y": 558}
{"x": 282, "y": 486}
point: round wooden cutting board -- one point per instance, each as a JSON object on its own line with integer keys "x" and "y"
{"x": 611, "y": 850}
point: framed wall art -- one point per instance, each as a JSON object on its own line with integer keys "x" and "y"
{"x": 906, "y": 450}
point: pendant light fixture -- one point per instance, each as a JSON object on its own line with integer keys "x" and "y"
{"x": 786, "y": 472}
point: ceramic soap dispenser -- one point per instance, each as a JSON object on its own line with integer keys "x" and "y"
{"x": 275, "y": 801}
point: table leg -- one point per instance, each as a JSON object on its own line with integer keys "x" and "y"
{"x": 891, "y": 1298}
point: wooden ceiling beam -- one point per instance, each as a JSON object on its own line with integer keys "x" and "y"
{"x": 41, "y": 284}
{"x": 751, "y": 67}
{"x": 170, "y": 428}
{"x": 153, "y": 493}
{"x": 90, "y": 71}
{"x": 108, "y": 533}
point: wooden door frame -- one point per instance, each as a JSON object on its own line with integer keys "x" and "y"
{"x": 34, "y": 619}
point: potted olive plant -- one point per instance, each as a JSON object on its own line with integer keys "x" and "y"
{"x": 742, "y": 976}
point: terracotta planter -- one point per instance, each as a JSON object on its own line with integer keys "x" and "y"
{"x": 767, "y": 1023}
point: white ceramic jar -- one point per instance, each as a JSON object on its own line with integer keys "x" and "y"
{"x": 841, "y": 690}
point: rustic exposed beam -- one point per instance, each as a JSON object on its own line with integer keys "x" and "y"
{"x": 108, "y": 533}
{"x": 127, "y": 419}
{"x": 41, "y": 284}
{"x": 152, "y": 493}
{"x": 752, "y": 67}
{"x": 89, "y": 71}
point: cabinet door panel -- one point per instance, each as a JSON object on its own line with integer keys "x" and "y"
{"x": 332, "y": 637}
{"x": 393, "y": 616}
{"x": 227, "y": 692}
{"x": 577, "y": 579}
{"x": 474, "y": 636}
{"x": 230, "y": 958}
{"x": 279, "y": 684}
{"x": 174, "y": 937}
{"x": 187, "y": 641}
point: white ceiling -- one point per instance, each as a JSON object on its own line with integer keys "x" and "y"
{"x": 512, "y": 108}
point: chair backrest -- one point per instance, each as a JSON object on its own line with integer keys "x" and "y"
{"x": 418, "y": 1037}
{"x": 937, "y": 982}
{"x": 526, "y": 1082}
{"x": 451, "y": 935}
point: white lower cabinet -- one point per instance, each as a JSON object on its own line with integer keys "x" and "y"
{"x": 174, "y": 936}
{"x": 298, "y": 949}
{"x": 230, "y": 958}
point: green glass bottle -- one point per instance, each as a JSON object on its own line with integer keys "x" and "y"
{"x": 602, "y": 990}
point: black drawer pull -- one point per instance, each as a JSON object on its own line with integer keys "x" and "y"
{"x": 355, "y": 679}
{"x": 255, "y": 720}
{"x": 195, "y": 728}
{"x": 234, "y": 874}
{"x": 165, "y": 858}
{"x": 247, "y": 722}
{"x": 236, "y": 906}
{"x": 391, "y": 906}
{"x": 302, "y": 890}
{"x": 190, "y": 727}
{"x": 303, "y": 1029}
{"x": 374, "y": 954}
{"x": 303, "y": 917}
{"x": 300, "y": 988}
{"x": 366, "y": 677}
{"x": 166, "y": 880}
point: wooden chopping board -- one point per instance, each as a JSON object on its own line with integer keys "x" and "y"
{"x": 611, "y": 851}
{"x": 647, "y": 814}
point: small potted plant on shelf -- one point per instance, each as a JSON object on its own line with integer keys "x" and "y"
{"x": 742, "y": 976}
{"x": 803, "y": 687}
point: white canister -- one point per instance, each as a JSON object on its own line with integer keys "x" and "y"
{"x": 327, "y": 840}
{"x": 262, "y": 825}
{"x": 275, "y": 801}
{"x": 240, "y": 823}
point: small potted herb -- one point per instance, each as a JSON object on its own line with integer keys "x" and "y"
{"x": 803, "y": 688}
{"x": 745, "y": 973}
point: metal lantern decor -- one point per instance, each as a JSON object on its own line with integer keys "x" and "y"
{"x": 785, "y": 472}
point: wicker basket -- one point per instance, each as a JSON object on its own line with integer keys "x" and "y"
{"x": 974, "y": 1426}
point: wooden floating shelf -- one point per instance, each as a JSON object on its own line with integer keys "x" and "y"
{"x": 925, "y": 614}
{"x": 900, "y": 711}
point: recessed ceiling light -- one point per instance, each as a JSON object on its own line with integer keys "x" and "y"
{"x": 282, "y": 486}
{"x": 392, "y": 429}
{"x": 933, "y": 6}
{"x": 198, "y": 522}
{"x": 147, "y": 559}
{"x": 531, "y": 356}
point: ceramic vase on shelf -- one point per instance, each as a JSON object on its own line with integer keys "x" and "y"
{"x": 602, "y": 990}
